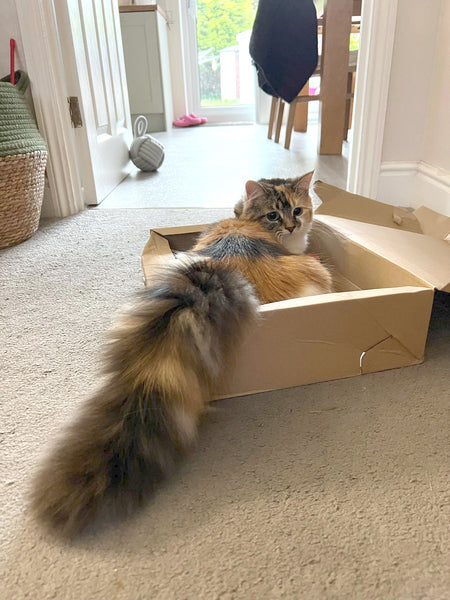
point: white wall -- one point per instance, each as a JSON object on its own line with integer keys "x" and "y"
{"x": 415, "y": 167}
{"x": 410, "y": 81}
{"x": 437, "y": 132}
{"x": 9, "y": 28}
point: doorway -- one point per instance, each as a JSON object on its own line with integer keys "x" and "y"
{"x": 45, "y": 68}
{"x": 223, "y": 79}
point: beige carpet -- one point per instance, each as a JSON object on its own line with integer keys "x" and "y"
{"x": 334, "y": 490}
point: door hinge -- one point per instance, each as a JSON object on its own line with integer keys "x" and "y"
{"x": 75, "y": 112}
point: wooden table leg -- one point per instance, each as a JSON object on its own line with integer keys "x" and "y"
{"x": 279, "y": 120}
{"x": 348, "y": 105}
{"x": 350, "y": 116}
{"x": 301, "y": 111}
{"x": 333, "y": 85}
{"x": 293, "y": 107}
{"x": 273, "y": 112}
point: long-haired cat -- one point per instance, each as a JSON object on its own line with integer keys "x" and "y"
{"x": 282, "y": 206}
{"x": 167, "y": 356}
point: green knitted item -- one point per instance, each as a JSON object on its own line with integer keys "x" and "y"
{"x": 18, "y": 131}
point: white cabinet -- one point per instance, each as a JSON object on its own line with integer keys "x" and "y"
{"x": 144, "y": 35}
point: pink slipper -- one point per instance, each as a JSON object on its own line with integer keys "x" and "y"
{"x": 203, "y": 119}
{"x": 187, "y": 121}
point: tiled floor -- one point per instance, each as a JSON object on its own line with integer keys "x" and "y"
{"x": 207, "y": 167}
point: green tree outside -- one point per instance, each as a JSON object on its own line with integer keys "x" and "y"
{"x": 218, "y": 22}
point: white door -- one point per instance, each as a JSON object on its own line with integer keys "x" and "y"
{"x": 91, "y": 46}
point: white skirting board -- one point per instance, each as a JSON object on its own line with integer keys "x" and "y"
{"x": 414, "y": 184}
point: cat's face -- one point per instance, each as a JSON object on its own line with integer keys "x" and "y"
{"x": 282, "y": 206}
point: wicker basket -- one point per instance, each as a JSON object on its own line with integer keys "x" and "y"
{"x": 23, "y": 156}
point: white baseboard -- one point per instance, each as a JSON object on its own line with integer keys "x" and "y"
{"x": 414, "y": 184}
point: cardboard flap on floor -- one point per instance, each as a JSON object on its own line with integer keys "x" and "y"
{"x": 371, "y": 224}
{"x": 339, "y": 203}
{"x": 424, "y": 256}
{"x": 433, "y": 223}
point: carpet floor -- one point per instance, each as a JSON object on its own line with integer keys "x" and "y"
{"x": 333, "y": 490}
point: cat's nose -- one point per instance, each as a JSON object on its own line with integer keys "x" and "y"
{"x": 290, "y": 229}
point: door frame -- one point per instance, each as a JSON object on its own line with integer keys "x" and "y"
{"x": 378, "y": 22}
{"x": 44, "y": 62}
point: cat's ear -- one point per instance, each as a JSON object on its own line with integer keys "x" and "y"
{"x": 304, "y": 182}
{"x": 253, "y": 191}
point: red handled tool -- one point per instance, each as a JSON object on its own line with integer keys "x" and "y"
{"x": 12, "y": 46}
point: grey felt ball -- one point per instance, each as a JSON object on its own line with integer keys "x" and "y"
{"x": 145, "y": 152}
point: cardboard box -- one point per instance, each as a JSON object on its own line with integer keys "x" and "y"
{"x": 386, "y": 263}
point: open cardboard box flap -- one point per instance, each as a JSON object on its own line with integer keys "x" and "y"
{"x": 414, "y": 241}
{"x": 339, "y": 203}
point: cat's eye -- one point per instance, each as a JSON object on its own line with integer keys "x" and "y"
{"x": 272, "y": 216}
{"x": 298, "y": 211}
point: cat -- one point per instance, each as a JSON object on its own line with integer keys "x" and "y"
{"x": 283, "y": 206}
{"x": 167, "y": 356}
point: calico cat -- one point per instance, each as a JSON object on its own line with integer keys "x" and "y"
{"x": 167, "y": 356}
{"x": 284, "y": 208}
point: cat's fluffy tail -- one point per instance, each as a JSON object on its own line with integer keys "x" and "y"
{"x": 166, "y": 356}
